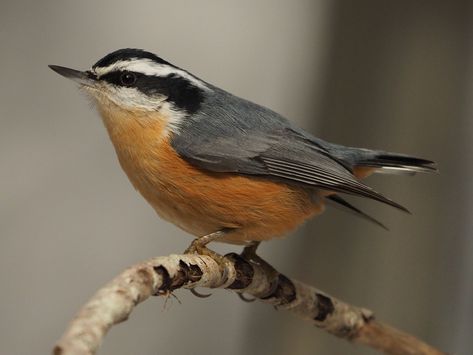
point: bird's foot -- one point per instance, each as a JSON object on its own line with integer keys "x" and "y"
{"x": 199, "y": 247}
{"x": 198, "y": 294}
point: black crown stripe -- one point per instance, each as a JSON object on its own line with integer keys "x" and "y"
{"x": 127, "y": 54}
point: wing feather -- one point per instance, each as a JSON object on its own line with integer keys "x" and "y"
{"x": 330, "y": 180}
{"x": 345, "y": 205}
{"x": 230, "y": 134}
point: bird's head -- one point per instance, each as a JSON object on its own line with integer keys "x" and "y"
{"x": 133, "y": 81}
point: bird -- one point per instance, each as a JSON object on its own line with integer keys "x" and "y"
{"x": 218, "y": 166}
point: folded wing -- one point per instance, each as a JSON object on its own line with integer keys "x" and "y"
{"x": 282, "y": 154}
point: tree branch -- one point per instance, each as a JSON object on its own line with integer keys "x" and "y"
{"x": 160, "y": 276}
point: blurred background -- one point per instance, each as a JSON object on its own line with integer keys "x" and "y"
{"x": 394, "y": 75}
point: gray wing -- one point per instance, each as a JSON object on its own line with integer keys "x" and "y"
{"x": 229, "y": 134}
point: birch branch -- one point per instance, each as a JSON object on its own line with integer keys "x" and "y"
{"x": 159, "y": 276}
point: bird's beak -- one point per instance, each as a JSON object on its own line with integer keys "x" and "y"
{"x": 85, "y": 78}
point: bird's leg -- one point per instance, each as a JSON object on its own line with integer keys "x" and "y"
{"x": 199, "y": 245}
{"x": 249, "y": 253}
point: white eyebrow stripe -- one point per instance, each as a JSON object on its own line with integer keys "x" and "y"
{"x": 148, "y": 67}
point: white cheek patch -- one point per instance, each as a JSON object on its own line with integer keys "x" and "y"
{"x": 126, "y": 98}
{"x": 148, "y": 67}
{"x": 131, "y": 99}
{"x": 174, "y": 117}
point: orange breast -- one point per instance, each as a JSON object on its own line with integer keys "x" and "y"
{"x": 203, "y": 202}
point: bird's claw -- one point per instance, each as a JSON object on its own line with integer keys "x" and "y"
{"x": 200, "y": 295}
{"x": 245, "y": 299}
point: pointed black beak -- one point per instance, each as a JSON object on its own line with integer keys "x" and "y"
{"x": 80, "y": 77}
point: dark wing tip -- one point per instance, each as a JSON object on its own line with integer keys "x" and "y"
{"x": 393, "y": 204}
{"x": 350, "y": 208}
{"x": 326, "y": 179}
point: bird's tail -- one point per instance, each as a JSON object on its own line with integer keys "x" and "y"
{"x": 385, "y": 162}
{"x": 364, "y": 162}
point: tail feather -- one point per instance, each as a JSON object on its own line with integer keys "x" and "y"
{"x": 385, "y": 162}
{"x": 376, "y": 161}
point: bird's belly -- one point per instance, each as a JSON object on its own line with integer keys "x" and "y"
{"x": 254, "y": 209}
{"x": 202, "y": 202}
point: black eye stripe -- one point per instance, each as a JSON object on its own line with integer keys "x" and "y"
{"x": 115, "y": 77}
{"x": 178, "y": 90}
{"x": 127, "y": 78}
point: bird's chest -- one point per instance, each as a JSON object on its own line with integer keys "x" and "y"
{"x": 143, "y": 149}
{"x": 157, "y": 172}
{"x": 199, "y": 201}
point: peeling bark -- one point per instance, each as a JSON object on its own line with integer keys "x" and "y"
{"x": 159, "y": 276}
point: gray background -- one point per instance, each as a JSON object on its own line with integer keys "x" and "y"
{"x": 381, "y": 74}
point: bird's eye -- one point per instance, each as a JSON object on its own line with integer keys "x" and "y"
{"x": 127, "y": 78}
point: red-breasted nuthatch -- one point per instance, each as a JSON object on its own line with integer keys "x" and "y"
{"x": 216, "y": 165}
